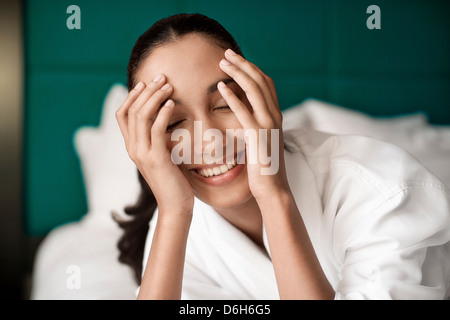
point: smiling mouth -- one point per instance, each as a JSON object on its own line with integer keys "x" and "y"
{"x": 218, "y": 170}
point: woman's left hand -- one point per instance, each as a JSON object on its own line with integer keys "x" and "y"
{"x": 262, "y": 116}
{"x": 297, "y": 269}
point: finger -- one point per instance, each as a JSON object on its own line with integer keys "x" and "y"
{"x": 150, "y": 89}
{"x": 256, "y": 74}
{"x": 160, "y": 125}
{"x": 274, "y": 108}
{"x": 271, "y": 85}
{"x": 237, "y": 106}
{"x": 252, "y": 70}
{"x": 250, "y": 87}
{"x": 146, "y": 94}
{"x": 147, "y": 112}
{"x": 122, "y": 112}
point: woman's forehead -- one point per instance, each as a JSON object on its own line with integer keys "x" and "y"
{"x": 191, "y": 62}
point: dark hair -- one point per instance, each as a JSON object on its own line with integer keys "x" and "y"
{"x": 131, "y": 244}
{"x": 171, "y": 29}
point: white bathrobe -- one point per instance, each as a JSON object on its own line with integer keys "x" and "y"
{"x": 378, "y": 220}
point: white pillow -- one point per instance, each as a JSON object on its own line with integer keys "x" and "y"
{"x": 322, "y": 116}
{"x": 430, "y": 144}
{"x": 109, "y": 175}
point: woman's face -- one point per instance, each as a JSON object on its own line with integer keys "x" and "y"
{"x": 191, "y": 66}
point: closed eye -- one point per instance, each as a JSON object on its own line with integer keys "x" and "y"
{"x": 222, "y": 108}
{"x": 172, "y": 126}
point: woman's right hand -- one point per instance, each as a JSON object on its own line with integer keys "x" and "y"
{"x": 144, "y": 130}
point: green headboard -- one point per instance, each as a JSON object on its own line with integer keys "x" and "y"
{"x": 311, "y": 48}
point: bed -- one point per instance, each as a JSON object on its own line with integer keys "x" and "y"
{"x": 78, "y": 260}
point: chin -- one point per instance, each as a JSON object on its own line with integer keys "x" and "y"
{"x": 233, "y": 194}
{"x": 226, "y": 200}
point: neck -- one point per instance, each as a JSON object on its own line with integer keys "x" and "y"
{"x": 247, "y": 218}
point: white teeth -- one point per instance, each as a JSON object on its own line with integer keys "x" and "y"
{"x": 215, "y": 171}
{"x": 223, "y": 168}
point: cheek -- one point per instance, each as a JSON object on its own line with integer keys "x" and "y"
{"x": 230, "y": 122}
{"x": 180, "y": 148}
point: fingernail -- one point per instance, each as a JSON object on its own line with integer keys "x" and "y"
{"x": 166, "y": 87}
{"x": 139, "y": 86}
{"x": 169, "y": 103}
{"x": 158, "y": 78}
{"x": 221, "y": 84}
{"x": 225, "y": 62}
{"x": 230, "y": 52}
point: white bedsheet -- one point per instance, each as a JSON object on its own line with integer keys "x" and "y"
{"x": 79, "y": 261}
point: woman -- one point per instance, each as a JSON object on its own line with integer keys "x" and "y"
{"x": 340, "y": 217}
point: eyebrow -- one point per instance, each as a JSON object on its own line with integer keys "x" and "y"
{"x": 211, "y": 89}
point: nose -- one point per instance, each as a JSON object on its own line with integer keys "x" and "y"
{"x": 209, "y": 143}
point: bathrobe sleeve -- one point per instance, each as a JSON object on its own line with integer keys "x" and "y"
{"x": 390, "y": 228}
{"x": 385, "y": 258}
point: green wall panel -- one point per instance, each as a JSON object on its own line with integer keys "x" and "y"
{"x": 410, "y": 42}
{"x": 108, "y": 32}
{"x": 280, "y": 36}
{"x": 311, "y": 48}
{"x": 54, "y": 188}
